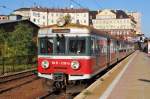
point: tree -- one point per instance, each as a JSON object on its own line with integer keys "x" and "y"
{"x": 20, "y": 40}
{"x": 67, "y": 18}
{"x": 3, "y": 42}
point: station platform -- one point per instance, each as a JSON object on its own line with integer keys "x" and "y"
{"x": 130, "y": 79}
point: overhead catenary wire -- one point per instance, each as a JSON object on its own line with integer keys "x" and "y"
{"x": 77, "y": 3}
{"x": 97, "y": 3}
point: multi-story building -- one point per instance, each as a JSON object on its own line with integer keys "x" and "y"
{"x": 3, "y": 17}
{"x": 24, "y": 12}
{"x": 137, "y": 18}
{"x": 49, "y": 16}
{"x": 117, "y": 22}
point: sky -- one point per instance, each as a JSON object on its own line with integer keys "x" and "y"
{"x": 141, "y": 6}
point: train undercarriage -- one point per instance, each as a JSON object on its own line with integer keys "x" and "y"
{"x": 60, "y": 81}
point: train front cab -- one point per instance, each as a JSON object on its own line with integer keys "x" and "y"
{"x": 70, "y": 57}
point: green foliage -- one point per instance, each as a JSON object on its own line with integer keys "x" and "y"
{"x": 3, "y": 42}
{"x": 18, "y": 42}
{"x": 3, "y": 36}
{"x": 67, "y": 18}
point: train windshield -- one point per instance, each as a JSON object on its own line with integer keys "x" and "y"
{"x": 46, "y": 45}
{"x": 76, "y": 46}
{"x": 60, "y": 44}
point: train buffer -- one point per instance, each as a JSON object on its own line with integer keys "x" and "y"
{"x": 130, "y": 79}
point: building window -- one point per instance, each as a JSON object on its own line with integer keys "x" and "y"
{"x": 78, "y": 22}
{"x": 44, "y": 23}
{"x": 34, "y": 20}
{"x": 43, "y": 17}
{"x": 36, "y": 14}
{"x": 84, "y": 21}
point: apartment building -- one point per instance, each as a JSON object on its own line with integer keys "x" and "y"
{"x": 137, "y": 18}
{"x": 48, "y": 16}
{"x": 24, "y": 12}
{"x": 117, "y": 22}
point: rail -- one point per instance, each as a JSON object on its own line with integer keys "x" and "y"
{"x": 9, "y": 82}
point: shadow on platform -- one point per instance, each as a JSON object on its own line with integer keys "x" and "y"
{"x": 144, "y": 80}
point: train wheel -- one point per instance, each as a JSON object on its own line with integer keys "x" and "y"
{"x": 58, "y": 85}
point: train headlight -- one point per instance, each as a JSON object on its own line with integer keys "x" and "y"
{"x": 45, "y": 64}
{"x": 75, "y": 65}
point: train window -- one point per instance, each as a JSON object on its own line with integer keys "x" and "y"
{"x": 93, "y": 46}
{"x": 77, "y": 46}
{"x": 50, "y": 45}
{"x": 46, "y": 45}
{"x": 61, "y": 43}
{"x": 42, "y": 46}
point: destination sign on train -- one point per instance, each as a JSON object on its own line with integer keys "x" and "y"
{"x": 60, "y": 30}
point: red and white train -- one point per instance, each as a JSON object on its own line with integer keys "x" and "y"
{"x": 76, "y": 52}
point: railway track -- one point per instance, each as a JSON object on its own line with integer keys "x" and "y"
{"x": 68, "y": 93}
{"x": 15, "y": 76}
{"x": 13, "y": 81}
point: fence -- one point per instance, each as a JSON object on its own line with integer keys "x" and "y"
{"x": 18, "y": 63}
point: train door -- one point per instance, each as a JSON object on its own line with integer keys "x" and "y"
{"x": 99, "y": 50}
{"x": 108, "y": 52}
{"x": 102, "y": 44}
{"x": 113, "y": 54}
{"x": 93, "y": 54}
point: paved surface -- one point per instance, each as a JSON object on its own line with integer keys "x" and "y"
{"x": 130, "y": 79}
{"x": 135, "y": 82}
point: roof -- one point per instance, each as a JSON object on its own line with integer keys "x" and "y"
{"x": 15, "y": 21}
{"x": 89, "y": 28}
{"x": 9, "y": 21}
{"x": 121, "y": 14}
{"x": 22, "y": 9}
{"x": 3, "y": 15}
{"x": 64, "y": 10}
{"x": 93, "y": 14}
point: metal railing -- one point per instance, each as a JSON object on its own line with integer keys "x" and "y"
{"x": 17, "y": 63}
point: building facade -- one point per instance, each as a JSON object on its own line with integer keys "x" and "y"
{"x": 49, "y": 16}
{"x": 24, "y": 12}
{"x": 117, "y": 22}
{"x": 137, "y": 18}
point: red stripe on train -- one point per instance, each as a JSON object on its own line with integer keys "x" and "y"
{"x": 64, "y": 65}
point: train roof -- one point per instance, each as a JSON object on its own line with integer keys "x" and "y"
{"x": 89, "y": 29}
